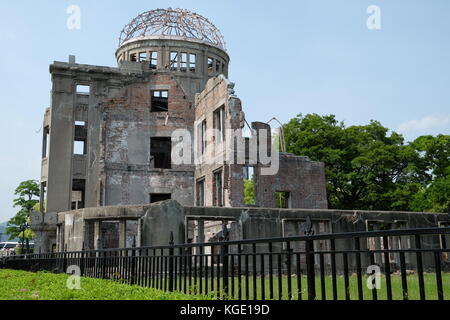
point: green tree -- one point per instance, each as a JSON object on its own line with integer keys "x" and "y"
{"x": 366, "y": 167}
{"x": 249, "y": 192}
{"x": 27, "y": 193}
{"x": 435, "y": 195}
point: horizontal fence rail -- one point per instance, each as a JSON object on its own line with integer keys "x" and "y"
{"x": 388, "y": 265}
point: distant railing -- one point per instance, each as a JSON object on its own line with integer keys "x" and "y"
{"x": 388, "y": 265}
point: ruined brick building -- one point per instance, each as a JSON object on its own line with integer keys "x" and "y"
{"x": 110, "y": 137}
{"x": 107, "y": 137}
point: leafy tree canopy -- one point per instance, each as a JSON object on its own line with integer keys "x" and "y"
{"x": 27, "y": 193}
{"x": 369, "y": 168}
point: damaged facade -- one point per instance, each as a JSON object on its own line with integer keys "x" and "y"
{"x": 108, "y": 164}
{"x": 108, "y": 133}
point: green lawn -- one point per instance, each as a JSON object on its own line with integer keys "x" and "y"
{"x": 397, "y": 292}
{"x": 19, "y": 285}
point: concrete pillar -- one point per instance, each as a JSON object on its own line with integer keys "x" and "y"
{"x": 200, "y": 231}
{"x": 97, "y": 235}
{"x": 139, "y": 233}
{"x": 123, "y": 234}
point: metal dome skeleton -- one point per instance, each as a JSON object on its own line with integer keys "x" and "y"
{"x": 173, "y": 23}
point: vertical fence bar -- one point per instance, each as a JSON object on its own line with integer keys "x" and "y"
{"x": 218, "y": 275}
{"x": 271, "y": 295}
{"x": 185, "y": 253}
{"x": 437, "y": 264}
{"x": 206, "y": 270}
{"x": 420, "y": 267}
{"x": 387, "y": 267}
{"x": 310, "y": 270}
{"x": 171, "y": 262}
{"x": 225, "y": 287}
{"x": 404, "y": 276}
{"x": 180, "y": 269}
{"x": 212, "y": 268}
{"x": 299, "y": 277}
{"x": 247, "y": 272}
{"x": 288, "y": 267}
{"x": 359, "y": 268}
{"x": 239, "y": 271}
{"x": 195, "y": 271}
{"x": 333, "y": 268}
{"x": 233, "y": 282}
{"x": 201, "y": 269}
{"x": 346, "y": 280}
{"x": 374, "y": 289}
{"x": 255, "y": 296}
{"x": 154, "y": 268}
{"x": 280, "y": 278}
{"x": 263, "y": 277}
{"x": 322, "y": 277}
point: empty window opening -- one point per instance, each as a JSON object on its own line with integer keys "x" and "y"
{"x": 201, "y": 193}
{"x": 45, "y": 142}
{"x": 217, "y": 66}
{"x": 203, "y": 142}
{"x": 283, "y": 200}
{"x": 110, "y": 231}
{"x": 160, "y": 101}
{"x": 174, "y": 61}
{"x": 210, "y": 66}
{"x": 192, "y": 62}
{"x": 249, "y": 186}
{"x": 219, "y": 124}
{"x": 78, "y": 194}
{"x": 158, "y": 197}
{"x": 43, "y": 198}
{"x": 161, "y": 152}
{"x": 142, "y": 56}
{"x": 153, "y": 60}
{"x": 218, "y": 197}
{"x": 184, "y": 62}
{"x": 79, "y": 148}
{"x": 83, "y": 89}
{"x": 133, "y": 57}
{"x": 101, "y": 195}
{"x": 80, "y": 145}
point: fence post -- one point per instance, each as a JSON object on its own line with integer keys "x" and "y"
{"x": 133, "y": 263}
{"x": 103, "y": 263}
{"x": 171, "y": 262}
{"x": 310, "y": 272}
{"x": 225, "y": 235}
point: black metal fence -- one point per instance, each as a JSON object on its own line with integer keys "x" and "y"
{"x": 401, "y": 264}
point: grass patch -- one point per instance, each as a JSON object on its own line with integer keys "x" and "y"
{"x": 20, "y": 285}
{"x": 431, "y": 292}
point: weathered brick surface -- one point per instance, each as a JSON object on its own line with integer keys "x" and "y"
{"x": 129, "y": 125}
{"x": 219, "y": 93}
{"x": 303, "y": 178}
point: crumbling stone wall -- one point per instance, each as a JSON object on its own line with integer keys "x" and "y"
{"x": 127, "y": 128}
{"x": 218, "y": 94}
{"x": 302, "y": 178}
{"x": 156, "y": 222}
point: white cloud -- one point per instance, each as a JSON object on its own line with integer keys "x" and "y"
{"x": 426, "y": 125}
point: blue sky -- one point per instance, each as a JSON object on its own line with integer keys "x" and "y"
{"x": 288, "y": 57}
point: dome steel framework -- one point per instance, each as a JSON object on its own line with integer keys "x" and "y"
{"x": 176, "y": 23}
